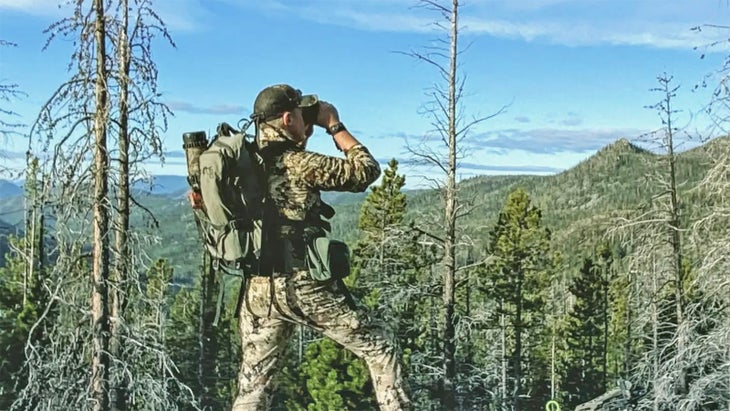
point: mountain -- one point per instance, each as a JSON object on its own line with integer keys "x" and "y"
{"x": 9, "y": 189}
{"x": 11, "y": 209}
{"x": 581, "y": 204}
{"x": 578, "y": 205}
{"x": 166, "y": 185}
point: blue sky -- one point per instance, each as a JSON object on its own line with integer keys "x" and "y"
{"x": 574, "y": 74}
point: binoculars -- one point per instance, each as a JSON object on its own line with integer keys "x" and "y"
{"x": 309, "y": 114}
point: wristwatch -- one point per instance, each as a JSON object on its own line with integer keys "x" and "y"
{"x": 335, "y": 128}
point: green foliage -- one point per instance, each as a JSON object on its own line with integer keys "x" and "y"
{"x": 516, "y": 278}
{"x": 520, "y": 268}
{"x": 335, "y": 380}
{"x": 206, "y": 357}
{"x": 22, "y": 301}
{"x": 16, "y": 317}
{"x": 385, "y": 206}
{"x": 585, "y": 373}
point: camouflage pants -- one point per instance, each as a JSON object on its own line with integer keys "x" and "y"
{"x": 266, "y": 328}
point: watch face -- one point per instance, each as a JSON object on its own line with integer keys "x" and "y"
{"x": 336, "y": 128}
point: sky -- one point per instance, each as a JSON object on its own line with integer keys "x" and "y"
{"x": 566, "y": 77}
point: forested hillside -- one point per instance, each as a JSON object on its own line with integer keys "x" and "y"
{"x": 580, "y": 212}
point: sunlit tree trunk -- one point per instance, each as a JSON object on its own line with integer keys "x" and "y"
{"x": 121, "y": 246}
{"x": 449, "y": 293}
{"x": 100, "y": 205}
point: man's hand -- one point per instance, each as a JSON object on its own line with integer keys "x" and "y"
{"x": 327, "y": 115}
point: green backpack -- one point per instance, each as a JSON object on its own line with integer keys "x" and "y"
{"x": 227, "y": 193}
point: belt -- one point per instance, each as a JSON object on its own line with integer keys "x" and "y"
{"x": 297, "y": 265}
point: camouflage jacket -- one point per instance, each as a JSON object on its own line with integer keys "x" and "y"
{"x": 297, "y": 176}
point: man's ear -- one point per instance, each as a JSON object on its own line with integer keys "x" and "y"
{"x": 286, "y": 118}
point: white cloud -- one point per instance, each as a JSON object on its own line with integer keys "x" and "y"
{"x": 649, "y": 23}
{"x": 35, "y": 7}
{"x": 181, "y": 15}
{"x": 548, "y": 141}
{"x": 187, "y": 107}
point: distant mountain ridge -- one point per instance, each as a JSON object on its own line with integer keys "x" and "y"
{"x": 577, "y": 204}
{"x": 9, "y": 189}
{"x": 581, "y": 203}
{"x": 163, "y": 184}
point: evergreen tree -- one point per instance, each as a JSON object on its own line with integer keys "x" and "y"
{"x": 18, "y": 312}
{"x": 206, "y": 356}
{"x": 22, "y": 295}
{"x": 335, "y": 379}
{"x": 389, "y": 268}
{"x": 587, "y": 331}
{"x": 516, "y": 278}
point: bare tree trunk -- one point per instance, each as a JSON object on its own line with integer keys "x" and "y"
{"x": 121, "y": 246}
{"x": 33, "y": 245}
{"x": 655, "y": 336}
{"x": 449, "y": 291}
{"x": 503, "y": 328}
{"x": 604, "y": 346}
{"x": 675, "y": 241}
{"x": 629, "y": 320}
{"x": 100, "y": 269}
{"x": 207, "y": 337}
{"x": 552, "y": 365}
{"x": 517, "y": 354}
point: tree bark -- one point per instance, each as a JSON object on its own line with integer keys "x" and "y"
{"x": 675, "y": 241}
{"x": 517, "y": 354}
{"x": 121, "y": 246}
{"x": 449, "y": 294}
{"x": 100, "y": 206}
{"x": 503, "y": 328}
{"x": 207, "y": 337}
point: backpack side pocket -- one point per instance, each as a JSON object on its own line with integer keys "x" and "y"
{"x": 328, "y": 259}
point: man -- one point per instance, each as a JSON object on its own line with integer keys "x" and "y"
{"x": 285, "y": 294}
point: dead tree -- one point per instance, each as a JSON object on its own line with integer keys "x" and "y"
{"x": 445, "y": 112}
{"x": 111, "y": 95}
{"x": 121, "y": 224}
{"x": 100, "y": 265}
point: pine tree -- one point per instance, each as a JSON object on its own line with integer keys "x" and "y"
{"x": 110, "y": 95}
{"x": 516, "y": 278}
{"x": 206, "y": 356}
{"x": 20, "y": 307}
{"x": 335, "y": 379}
{"x": 390, "y": 264}
{"x": 587, "y": 331}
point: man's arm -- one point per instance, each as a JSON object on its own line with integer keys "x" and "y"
{"x": 353, "y": 173}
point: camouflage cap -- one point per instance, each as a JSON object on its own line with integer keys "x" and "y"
{"x": 275, "y": 100}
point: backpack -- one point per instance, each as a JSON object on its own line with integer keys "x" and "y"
{"x": 227, "y": 193}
